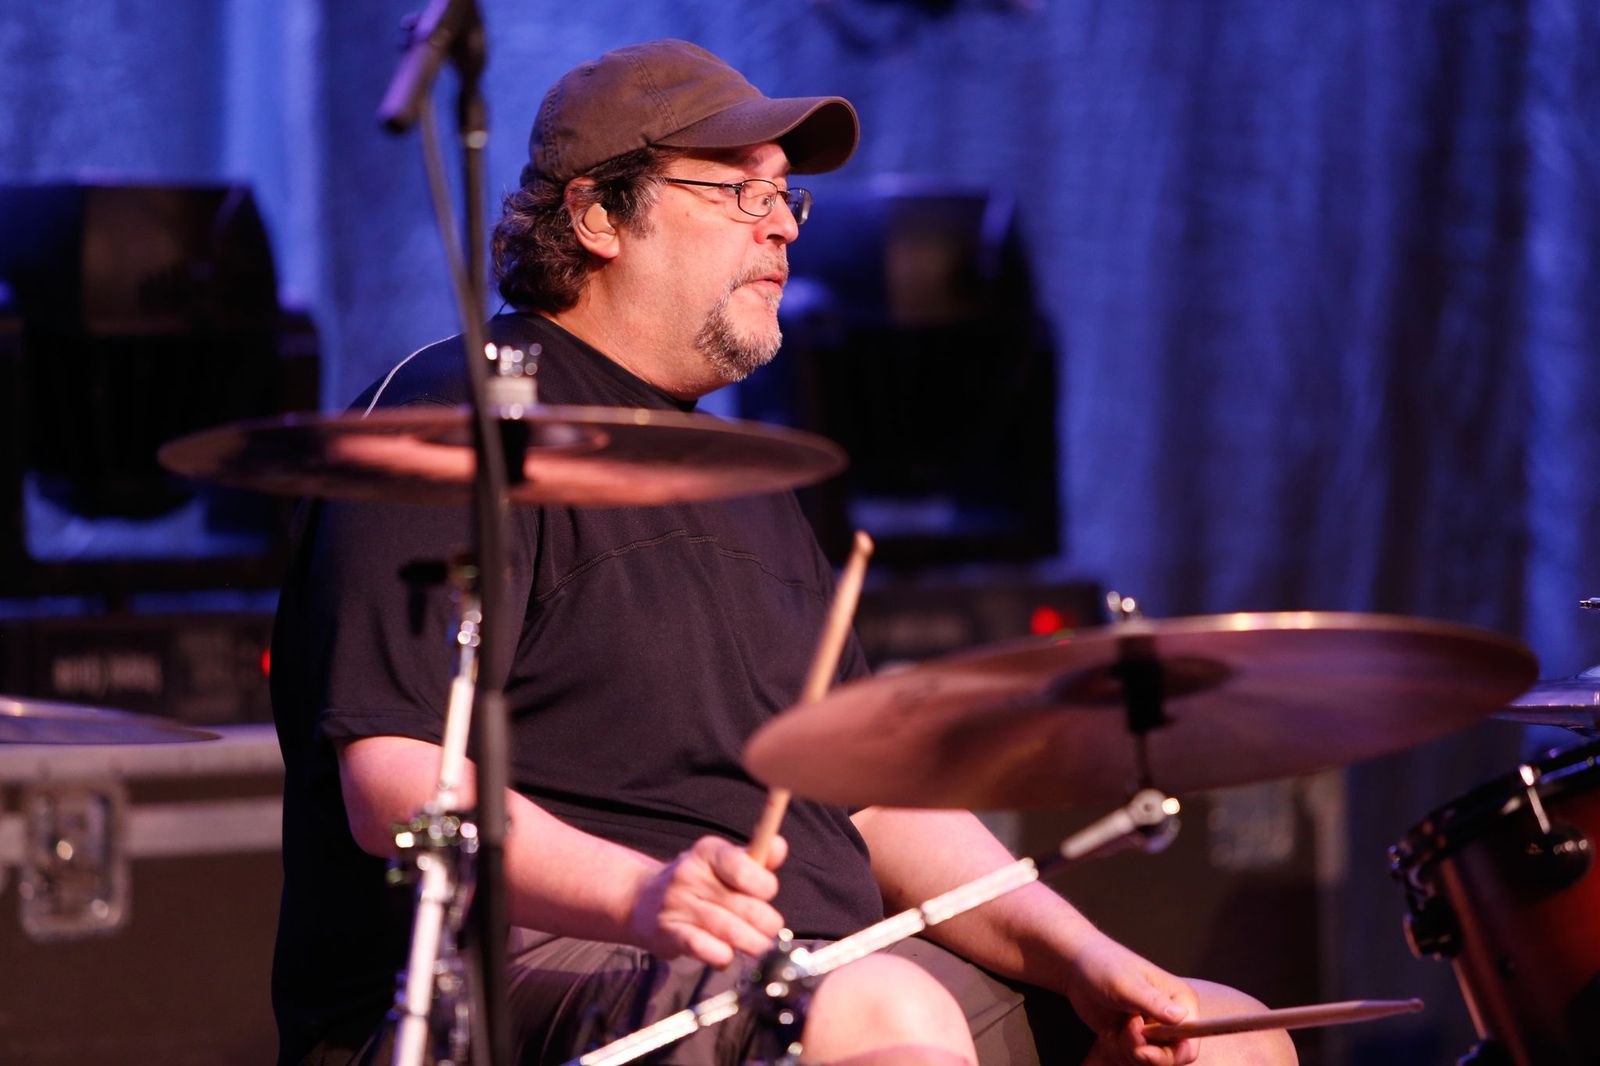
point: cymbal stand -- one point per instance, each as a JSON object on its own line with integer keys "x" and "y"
{"x": 1138, "y": 669}
{"x": 452, "y": 32}
{"x": 441, "y": 844}
{"x": 1144, "y": 822}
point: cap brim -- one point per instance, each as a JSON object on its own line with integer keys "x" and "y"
{"x": 817, "y": 133}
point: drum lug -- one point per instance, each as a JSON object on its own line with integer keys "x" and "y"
{"x": 1432, "y": 929}
{"x": 1560, "y": 857}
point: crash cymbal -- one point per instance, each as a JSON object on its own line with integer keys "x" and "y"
{"x": 1573, "y": 702}
{"x": 578, "y": 456}
{"x": 30, "y": 721}
{"x": 1247, "y": 697}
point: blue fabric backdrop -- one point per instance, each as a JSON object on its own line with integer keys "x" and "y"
{"x": 1325, "y": 276}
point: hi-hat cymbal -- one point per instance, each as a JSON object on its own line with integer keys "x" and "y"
{"x": 30, "y": 721}
{"x": 577, "y": 456}
{"x": 1247, "y": 697}
{"x": 1573, "y": 702}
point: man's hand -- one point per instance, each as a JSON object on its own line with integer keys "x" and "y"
{"x": 709, "y": 902}
{"x": 1115, "y": 991}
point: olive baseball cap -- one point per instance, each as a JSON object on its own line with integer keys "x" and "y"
{"x": 678, "y": 95}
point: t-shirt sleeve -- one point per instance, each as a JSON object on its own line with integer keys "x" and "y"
{"x": 391, "y": 621}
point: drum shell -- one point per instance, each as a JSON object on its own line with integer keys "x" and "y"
{"x": 1526, "y": 940}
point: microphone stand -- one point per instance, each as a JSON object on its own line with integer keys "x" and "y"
{"x": 452, "y": 31}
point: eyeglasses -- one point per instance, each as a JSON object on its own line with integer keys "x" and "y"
{"x": 758, "y": 196}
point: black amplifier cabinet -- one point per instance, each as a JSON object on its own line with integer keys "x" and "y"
{"x": 904, "y": 622}
{"x": 204, "y": 668}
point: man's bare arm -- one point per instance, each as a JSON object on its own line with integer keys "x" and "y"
{"x": 917, "y": 854}
{"x": 707, "y": 902}
{"x": 1031, "y": 934}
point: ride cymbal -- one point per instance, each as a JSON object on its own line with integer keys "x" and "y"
{"x": 576, "y": 456}
{"x": 1573, "y": 702}
{"x": 1245, "y": 697}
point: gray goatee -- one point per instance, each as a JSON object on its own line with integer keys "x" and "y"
{"x": 732, "y": 354}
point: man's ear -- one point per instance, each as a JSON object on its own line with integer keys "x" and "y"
{"x": 592, "y": 224}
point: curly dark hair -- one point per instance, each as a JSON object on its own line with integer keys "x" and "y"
{"x": 538, "y": 262}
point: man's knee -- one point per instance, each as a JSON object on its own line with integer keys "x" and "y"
{"x": 918, "y": 1055}
{"x": 1270, "y": 1047}
{"x": 885, "y": 1010}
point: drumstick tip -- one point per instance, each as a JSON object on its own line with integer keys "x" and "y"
{"x": 1308, "y": 1016}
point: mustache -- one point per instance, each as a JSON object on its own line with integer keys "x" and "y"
{"x": 776, "y": 268}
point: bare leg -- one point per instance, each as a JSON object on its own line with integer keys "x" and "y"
{"x": 885, "y": 1011}
{"x": 904, "y": 1056}
{"x": 1271, "y": 1047}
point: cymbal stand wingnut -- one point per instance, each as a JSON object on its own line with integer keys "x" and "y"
{"x": 778, "y": 989}
{"x": 512, "y": 387}
{"x": 513, "y": 395}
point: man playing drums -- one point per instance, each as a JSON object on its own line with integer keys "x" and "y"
{"x": 644, "y": 258}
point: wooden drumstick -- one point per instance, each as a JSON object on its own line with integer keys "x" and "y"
{"x": 1341, "y": 1013}
{"x": 824, "y": 665}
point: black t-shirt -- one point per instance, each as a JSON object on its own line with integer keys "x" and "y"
{"x": 653, "y": 641}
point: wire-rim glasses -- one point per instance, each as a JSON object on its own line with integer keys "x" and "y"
{"x": 757, "y": 197}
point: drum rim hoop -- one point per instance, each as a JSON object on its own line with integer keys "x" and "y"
{"x": 1450, "y": 827}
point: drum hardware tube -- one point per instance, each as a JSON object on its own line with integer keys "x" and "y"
{"x": 441, "y": 845}
{"x": 1146, "y": 821}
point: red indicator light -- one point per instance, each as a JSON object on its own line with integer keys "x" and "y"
{"x": 266, "y": 663}
{"x": 1046, "y": 620}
